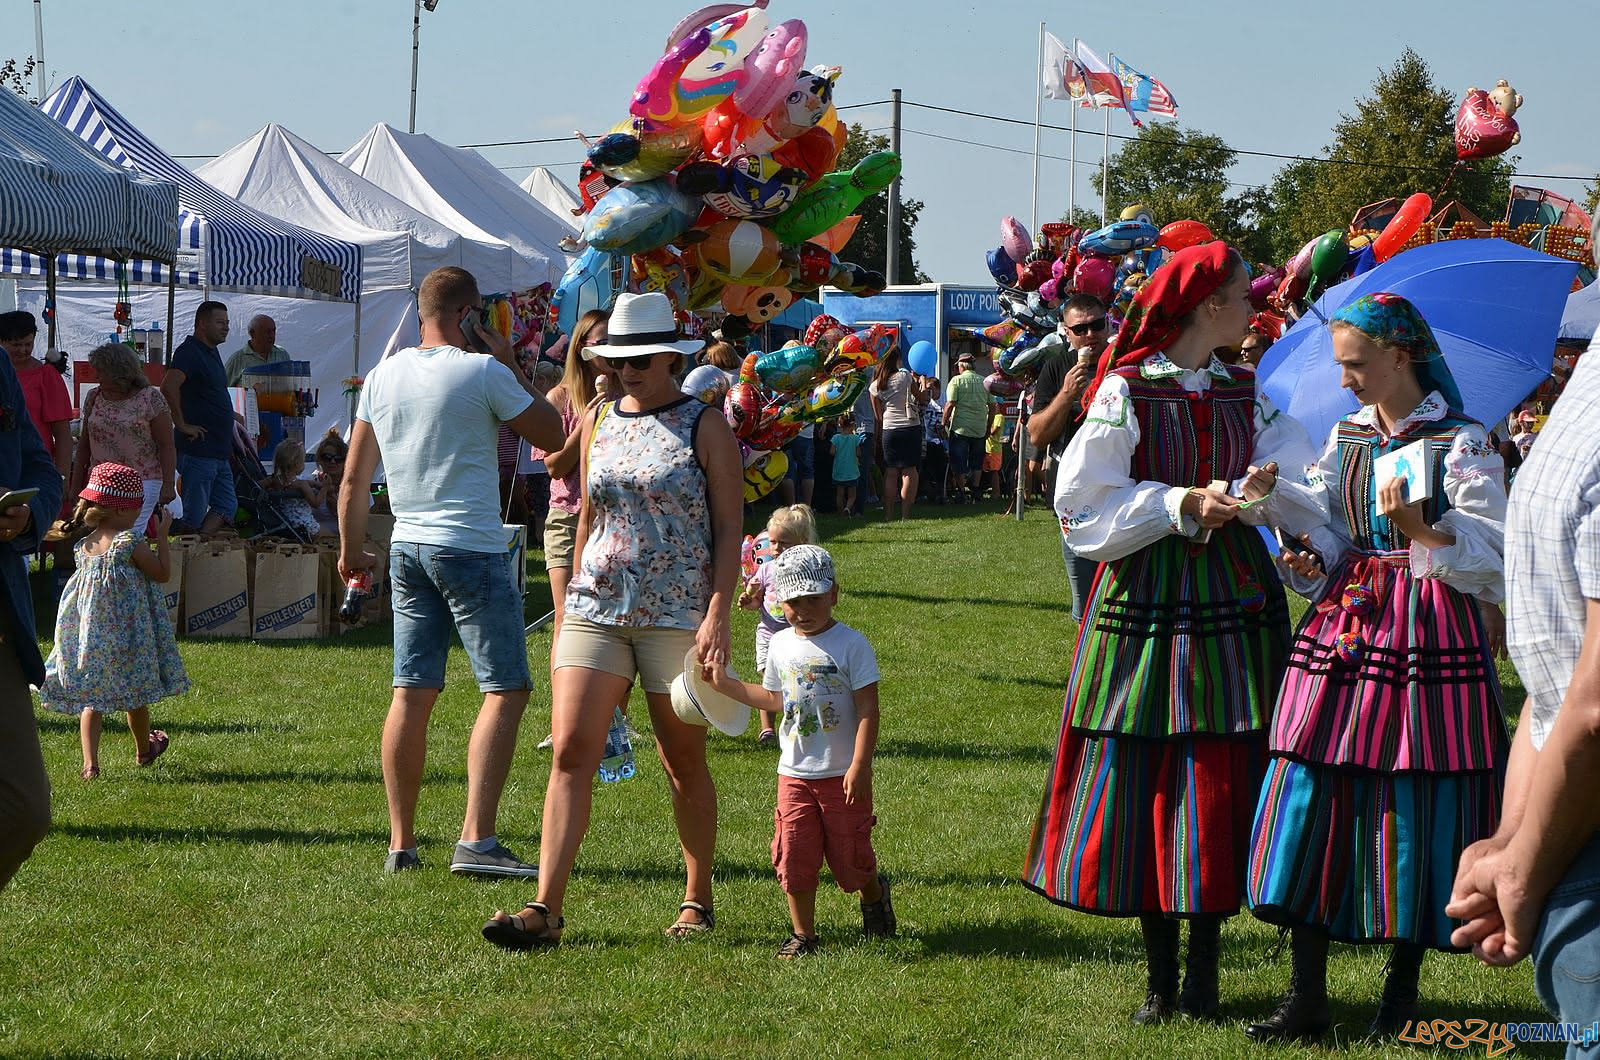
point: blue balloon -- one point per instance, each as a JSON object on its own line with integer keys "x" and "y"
{"x": 1119, "y": 237}
{"x": 586, "y": 286}
{"x": 922, "y": 358}
{"x": 634, "y": 218}
{"x": 1001, "y": 267}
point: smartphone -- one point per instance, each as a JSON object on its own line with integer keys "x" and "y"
{"x": 473, "y": 324}
{"x": 17, "y": 498}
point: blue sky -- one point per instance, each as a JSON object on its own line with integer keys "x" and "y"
{"x": 200, "y": 75}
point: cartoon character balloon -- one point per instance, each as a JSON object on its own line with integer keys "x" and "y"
{"x": 1484, "y": 123}
{"x": 826, "y": 202}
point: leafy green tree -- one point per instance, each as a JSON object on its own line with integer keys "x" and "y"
{"x": 16, "y": 75}
{"x": 1181, "y": 174}
{"x": 868, "y": 247}
{"x": 1404, "y": 134}
{"x": 1591, "y": 196}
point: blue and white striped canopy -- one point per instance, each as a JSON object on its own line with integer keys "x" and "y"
{"x": 58, "y": 194}
{"x": 221, "y": 243}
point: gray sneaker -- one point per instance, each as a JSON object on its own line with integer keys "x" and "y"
{"x": 401, "y": 861}
{"x": 499, "y": 862}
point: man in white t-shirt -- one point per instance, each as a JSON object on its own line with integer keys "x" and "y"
{"x": 432, "y": 414}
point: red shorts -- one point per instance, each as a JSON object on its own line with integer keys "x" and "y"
{"x": 812, "y": 822}
{"x": 993, "y": 461}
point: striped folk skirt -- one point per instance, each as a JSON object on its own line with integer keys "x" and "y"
{"x": 1368, "y": 857}
{"x": 1130, "y": 826}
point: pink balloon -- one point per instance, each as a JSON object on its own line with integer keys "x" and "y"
{"x": 1300, "y": 264}
{"x": 1014, "y": 237}
{"x": 771, "y": 69}
{"x": 1095, "y": 276}
{"x": 704, "y": 17}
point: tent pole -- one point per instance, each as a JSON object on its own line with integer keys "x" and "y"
{"x": 355, "y": 370}
{"x": 50, "y": 299}
{"x": 172, "y": 297}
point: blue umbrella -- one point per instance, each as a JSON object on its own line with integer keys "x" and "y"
{"x": 1582, "y": 316}
{"x": 1495, "y": 308}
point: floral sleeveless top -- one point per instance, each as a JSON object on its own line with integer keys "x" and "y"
{"x": 647, "y": 561}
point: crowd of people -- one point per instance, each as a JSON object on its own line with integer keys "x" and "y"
{"x": 1351, "y": 780}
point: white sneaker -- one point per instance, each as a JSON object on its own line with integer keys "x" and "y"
{"x": 548, "y": 742}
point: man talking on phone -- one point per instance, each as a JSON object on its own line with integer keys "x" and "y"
{"x": 24, "y": 466}
{"x": 432, "y": 413}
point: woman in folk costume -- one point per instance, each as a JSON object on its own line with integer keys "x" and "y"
{"x": 1388, "y": 744}
{"x": 1183, "y": 643}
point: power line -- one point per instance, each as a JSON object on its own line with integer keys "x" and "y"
{"x": 1237, "y": 150}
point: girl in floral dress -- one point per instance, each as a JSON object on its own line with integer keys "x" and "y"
{"x": 1388, "y": 744}
{"x": 1146, "y": 812}
{"x": 114, "y": 649}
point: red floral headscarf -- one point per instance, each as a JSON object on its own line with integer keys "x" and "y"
{"x": 1172, "y": 293}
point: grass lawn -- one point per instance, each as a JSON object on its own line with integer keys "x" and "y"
{"x": 228, "y": 901}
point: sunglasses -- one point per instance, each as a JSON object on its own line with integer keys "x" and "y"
{"x": 1098, "y": 324}
{"x": 329, "y": 458}
{"x": 641, "y": 361}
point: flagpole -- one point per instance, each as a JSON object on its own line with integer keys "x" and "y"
{"x": 1105, "y": 170}
{"x": 1072, "y": 150}
{"x": 1038, "y": 99}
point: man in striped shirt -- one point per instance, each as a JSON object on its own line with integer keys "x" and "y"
{"x": 1534, "y": 886}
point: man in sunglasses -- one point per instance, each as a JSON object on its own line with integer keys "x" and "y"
{"x": 1058, "y": 401}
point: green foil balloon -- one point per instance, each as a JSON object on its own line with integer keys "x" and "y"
{"x": 1328, "y": 259}
{"x": 833, "y": 198}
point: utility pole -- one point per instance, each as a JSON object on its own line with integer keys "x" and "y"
{"x": 416, "y": 40}
{"x": 892, "y": 236}
{"x": 38, "y": 46}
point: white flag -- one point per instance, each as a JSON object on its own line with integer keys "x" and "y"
{"x": 1059, "y": 70}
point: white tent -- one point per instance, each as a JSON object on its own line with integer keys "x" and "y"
{"x": 460, "y": 189}
{"x": 284, "y": 176}
{"x": 554, "y": 196}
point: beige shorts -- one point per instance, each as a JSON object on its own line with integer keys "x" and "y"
{"x": 656, "y": 655}
{"x": 560, "y": 538}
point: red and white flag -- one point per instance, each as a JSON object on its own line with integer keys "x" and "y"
{"x": 1103, "y": 88}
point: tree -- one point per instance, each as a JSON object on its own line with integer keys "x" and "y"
{"x": 15, "y": 76}
{"x": 1591, "y": 196}
{"x": 1403, "y": 136}
{"x": 1180, "y": 174}
{"x": 868, "y": 247}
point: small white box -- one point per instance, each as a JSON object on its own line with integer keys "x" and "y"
{"x": 1409, "y": 464}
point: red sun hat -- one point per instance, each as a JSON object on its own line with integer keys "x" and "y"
{"x": 114, "y": 486}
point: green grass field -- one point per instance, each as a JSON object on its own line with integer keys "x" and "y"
{"x": 228, "y": 901}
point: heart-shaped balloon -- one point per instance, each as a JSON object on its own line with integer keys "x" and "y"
{"x": 1481, "y": 130}
{"x": 1032, "y": 275}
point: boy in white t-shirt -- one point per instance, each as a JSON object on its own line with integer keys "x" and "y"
{"x": 822, "y": 678}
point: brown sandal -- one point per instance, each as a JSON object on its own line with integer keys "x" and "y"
{"x": 90, "y": 773}
{"x": 157, "y": 747}
{"x": 512, "y": 934}
{"x": 685, "y": 928}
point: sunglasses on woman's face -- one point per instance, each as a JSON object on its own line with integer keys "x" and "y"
{"x": 641, "y": 361}
{"x": 1098, "y": 324}
{"x": 329, "y": 458}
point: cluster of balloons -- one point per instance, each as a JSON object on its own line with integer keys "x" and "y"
{"x": 1036, "y": 278}
{"x": 780, "y": 391}
{"x": 717, "y": 187}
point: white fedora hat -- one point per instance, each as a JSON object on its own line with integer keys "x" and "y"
{"x": 697, "y": 703}
{"x": 641, "y": 324}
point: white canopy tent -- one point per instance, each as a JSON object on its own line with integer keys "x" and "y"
{"x": 459, "y": 188}
{"x": 554, "y": 196}
{"x": 282, "y": 175}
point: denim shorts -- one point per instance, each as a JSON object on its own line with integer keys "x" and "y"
{"x": 207, "y": 487}
{"x": 966, "y": 454}
{"x": 1566, "y": 950}
{"x": 437, "y": 589}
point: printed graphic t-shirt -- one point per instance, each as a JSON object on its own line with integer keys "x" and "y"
{"x": 818, "y": 677}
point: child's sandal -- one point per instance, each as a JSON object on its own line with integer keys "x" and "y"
{"x": 90, "y": 773}
{"x": 512, "y": 934}
{"x": 157, "y": 747}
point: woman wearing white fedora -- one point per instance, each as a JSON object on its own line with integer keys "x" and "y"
{"x": 658, "y": 558}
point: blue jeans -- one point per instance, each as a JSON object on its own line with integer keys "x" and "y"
{"x": 207, "y": 487}
{"x": 1080, "y": 576}
{"x": 436, "y": 589}
{"x": 1566, "y": 952}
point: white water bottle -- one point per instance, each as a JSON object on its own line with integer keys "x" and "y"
{"x": 618, "y": 761}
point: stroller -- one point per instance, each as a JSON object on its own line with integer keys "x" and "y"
{"x": 259, "y": 515}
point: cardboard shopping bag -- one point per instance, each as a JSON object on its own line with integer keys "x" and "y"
{"x": 177, "y": 552}
{"x": 287, "y": 599}
{"x": 216, "y": 591}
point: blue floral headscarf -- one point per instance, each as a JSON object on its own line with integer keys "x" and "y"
{"x": 1391, "y": 320}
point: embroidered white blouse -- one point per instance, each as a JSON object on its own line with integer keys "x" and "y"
{"x": 1474, "y": 484}
{"x": 1106, "y": 514}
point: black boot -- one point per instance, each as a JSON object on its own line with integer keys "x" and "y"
{"x": 1161, "y": 970}
{"x": 1398, "y": 1008}
{"x": 1303, "y": 1014}
{"x": 1198, "y": 998}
